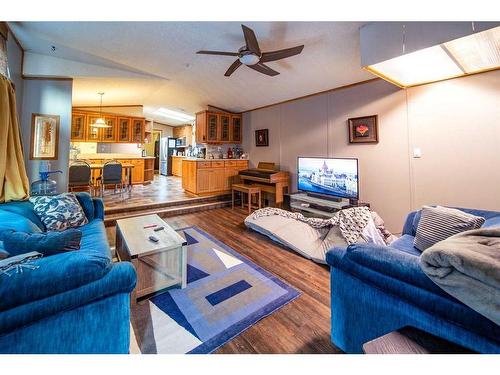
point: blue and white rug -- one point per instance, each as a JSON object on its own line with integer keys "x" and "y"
{"x": 225, "y": 295}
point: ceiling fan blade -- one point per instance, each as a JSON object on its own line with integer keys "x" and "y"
{"x": 264, "y": 69}
{"x": 218, "y": 53}
{"x": 232, "y": 68}
{"x": 251, "y": 40}
{"x": 281, "y": 54}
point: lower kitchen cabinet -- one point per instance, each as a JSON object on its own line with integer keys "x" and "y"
{"x": 201, "y": 177}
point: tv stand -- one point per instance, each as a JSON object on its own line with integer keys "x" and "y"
{"x": 319, "y": 206}
{"x": 324, "y": 197}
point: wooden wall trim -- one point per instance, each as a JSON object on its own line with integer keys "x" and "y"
{"x": 314, "y": 94}
{"x": 37, "y": 78}
{"x": 109, "y": 106}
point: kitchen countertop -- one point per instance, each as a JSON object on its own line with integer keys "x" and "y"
{"x": 199, "y": 159}
{"x": 112, "y": 156}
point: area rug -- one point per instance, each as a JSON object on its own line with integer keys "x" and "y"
{"x": 225, "y": 295}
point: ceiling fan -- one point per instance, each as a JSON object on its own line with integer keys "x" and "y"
{"x": 251, "y": 56}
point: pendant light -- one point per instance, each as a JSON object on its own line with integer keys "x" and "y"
{"x": 100, "y": 122}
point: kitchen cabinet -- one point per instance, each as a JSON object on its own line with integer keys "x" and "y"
{"x": 138, "y": 130}
{"x": 177, "y": 166}
{"x": 236, "y": 129}
{"x": 218, "y": 127}
{"x": 203, "y": 177}
{"x": 225, "y": 124}
{"x": 124, "y": 129}
{"x": 212, "y": 127}
{"x": 93, "y": 134}
{"x": 109, "y": 134}
{"x": 78, "y": 124}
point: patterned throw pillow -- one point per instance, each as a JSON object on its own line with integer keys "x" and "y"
{"x": 439, "y": 223}
{"x": 59, "y": 212}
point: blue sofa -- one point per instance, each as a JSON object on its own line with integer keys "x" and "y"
{"x": 75, "y": 302}
{"x": 378, "y": 289}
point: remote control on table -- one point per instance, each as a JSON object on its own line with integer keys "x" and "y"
{"x": 159, "y": 228}
{"x": 153, "y": 238}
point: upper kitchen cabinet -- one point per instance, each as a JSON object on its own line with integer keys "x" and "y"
{"x": 225, "y": 123}
{"x": 78, "y": 124}
{"x": 124, "y": 129}
{"x": 93, "y": 133}
{"x": 138, "y": 125}
{"x": 218, "y": 127}
{"x": 109, "y": 134}
{"x": 236, "y": 129}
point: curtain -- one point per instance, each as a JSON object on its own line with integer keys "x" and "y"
{"x": 14, "y": 184}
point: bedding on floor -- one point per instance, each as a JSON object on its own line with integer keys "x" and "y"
{"x": 313, "y": 237}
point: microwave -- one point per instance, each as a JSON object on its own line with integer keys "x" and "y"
{"x": 180, "y": 142}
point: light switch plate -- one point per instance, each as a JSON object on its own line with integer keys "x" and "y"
{"x": 417, "y": 152}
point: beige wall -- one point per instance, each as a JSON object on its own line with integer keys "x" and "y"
{"x": 455, "y": 123}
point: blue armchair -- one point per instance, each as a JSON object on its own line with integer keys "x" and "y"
{"x": 379, "y": 289}
{"x": 75, "y": 302}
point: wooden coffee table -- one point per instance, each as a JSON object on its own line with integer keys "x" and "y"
{"x": 158, "y": 265}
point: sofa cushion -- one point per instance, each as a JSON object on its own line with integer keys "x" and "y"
{"x": 492, "y": 222}
{"x": 59, "y": 212}
{"x": 13, "y": 221}
{"x": 25, "y": 209}
{"x": 49, "y": 243}
{"x": 439, "y": 223}
{"x": 405, "y": 243}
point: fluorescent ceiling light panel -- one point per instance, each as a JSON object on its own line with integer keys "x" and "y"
{"x": 174, "y": 115}
{"x": 471, "y": 54}
{"x": 477, "y": 52}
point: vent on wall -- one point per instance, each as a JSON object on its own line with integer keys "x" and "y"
{"x": 467, "y": 55}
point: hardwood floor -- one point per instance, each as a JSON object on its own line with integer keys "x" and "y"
{"x": 303, "y": 325}
{"x": 162, "y": 189}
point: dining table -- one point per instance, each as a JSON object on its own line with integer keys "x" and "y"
{"x": 126, "y": 166}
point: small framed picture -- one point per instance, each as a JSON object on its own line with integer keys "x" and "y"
{"x": 262, "y": 138}
{"x": 44, "y": 136}
{"x": 363, "y": 129}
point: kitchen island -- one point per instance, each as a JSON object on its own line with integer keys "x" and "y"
{"x": 210, "y": 176}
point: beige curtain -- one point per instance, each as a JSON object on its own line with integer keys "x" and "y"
{"x": 14, "y": 184}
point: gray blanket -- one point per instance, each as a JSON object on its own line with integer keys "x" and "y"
{"x": 467, "y": 266}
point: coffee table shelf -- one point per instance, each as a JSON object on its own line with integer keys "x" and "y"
{"x": 158, "y": 265}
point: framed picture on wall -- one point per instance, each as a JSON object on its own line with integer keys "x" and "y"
{"x": 262, "y": 138}
{"x": 363, "y": 129}
{"x": 44, "y": 136}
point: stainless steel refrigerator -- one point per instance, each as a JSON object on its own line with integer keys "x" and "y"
{"x": 167, "y": 149}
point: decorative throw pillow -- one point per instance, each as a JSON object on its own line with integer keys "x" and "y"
{"x": 48, "y": 243}
{"x": 439, "y": 223}
{"x": 59, "y": 212}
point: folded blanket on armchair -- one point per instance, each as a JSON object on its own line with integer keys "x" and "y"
{"x": 467, "y": 266}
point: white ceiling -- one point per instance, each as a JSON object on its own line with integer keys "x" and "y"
{"x": 155, "y": 64}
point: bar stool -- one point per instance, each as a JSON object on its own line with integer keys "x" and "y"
{"x": 250, "y": 190}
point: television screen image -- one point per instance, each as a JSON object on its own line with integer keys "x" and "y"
{"x": 328, "y": 176}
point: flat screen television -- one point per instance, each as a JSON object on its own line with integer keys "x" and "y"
{"x": 336, "y": 177}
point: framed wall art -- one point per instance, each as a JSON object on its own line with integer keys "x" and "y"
{"x": 363, "y": 129}
{"x": 44, "y": 136}
{"x": 262, "y": 138}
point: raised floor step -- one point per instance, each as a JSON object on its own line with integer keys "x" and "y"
{"x": 171, "y": 203}
{"x": 188, "y": 206}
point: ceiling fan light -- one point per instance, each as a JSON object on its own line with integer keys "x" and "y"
{"x": 249, "y": 59}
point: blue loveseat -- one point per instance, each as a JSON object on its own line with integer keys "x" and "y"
{"x": 75, "y": 302}
{"x": 378, "y": 289}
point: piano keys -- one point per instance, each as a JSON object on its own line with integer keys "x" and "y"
{"x": 269, "y": 180}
